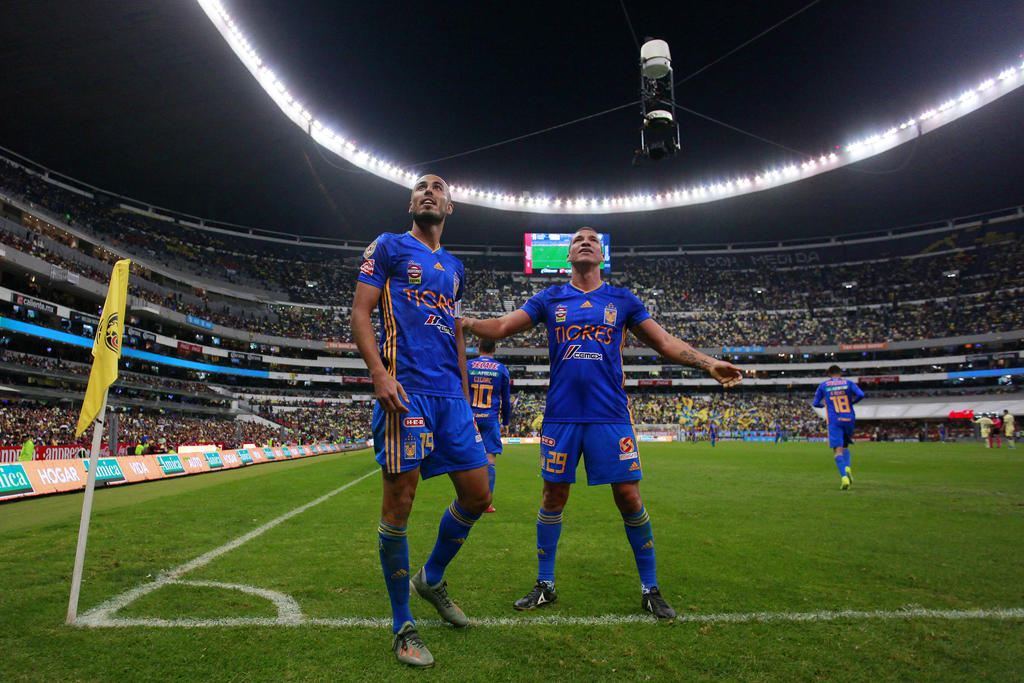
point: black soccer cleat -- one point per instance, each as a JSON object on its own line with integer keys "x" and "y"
{"x": 541, "y": 595}
{"x": 653, "y": 602}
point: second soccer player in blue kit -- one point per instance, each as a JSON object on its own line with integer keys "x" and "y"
{"x": 587, "y": 415}
{"x": 489, "y": 396}
{"x": 837, "y": 395}
{"x": 422, "y": 423}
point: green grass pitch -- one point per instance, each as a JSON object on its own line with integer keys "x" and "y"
{"x": 776, "y": 573}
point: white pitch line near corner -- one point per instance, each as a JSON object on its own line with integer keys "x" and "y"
{"x": 995, "y": 614}
{"x": 103, "y": 614}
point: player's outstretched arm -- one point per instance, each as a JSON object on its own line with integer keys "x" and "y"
{"x": 498, "y": 328}
{"x": 675, "y": 349}
{"x": 388, "y": 389}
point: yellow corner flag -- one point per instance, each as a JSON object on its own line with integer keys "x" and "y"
{"x": 106, "y": 349}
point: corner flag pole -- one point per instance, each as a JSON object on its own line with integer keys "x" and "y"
{"x": 106, "y": 350}
{"x": 83, "y": 525}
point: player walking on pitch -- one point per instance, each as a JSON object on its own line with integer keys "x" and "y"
{"x": 586, "y": 414}
{"x": 837, "y": 395}
{"x": 490, "y": 399}
{"x": 419, "y": 378}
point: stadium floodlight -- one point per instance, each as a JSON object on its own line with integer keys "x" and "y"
{"x": 656, "y": 65}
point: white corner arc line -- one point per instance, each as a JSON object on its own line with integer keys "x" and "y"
{"x": 103, "y": 613}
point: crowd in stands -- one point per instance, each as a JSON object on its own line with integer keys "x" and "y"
{"x": 950, "y": 293}
{"x": 55, "y": 425}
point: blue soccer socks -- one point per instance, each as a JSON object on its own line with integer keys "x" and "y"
{"x": 549, "y": 528}
{"x": 641, "y": 539}
{"x": 846, "y": 459}
{"x": 841, "y": 464}
{"x": 393, "y": 547}
{"x": 490, "y": 476}
{"x": 451, "y": 534}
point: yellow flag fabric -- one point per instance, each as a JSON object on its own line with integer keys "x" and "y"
{"x": 106, "y": 348}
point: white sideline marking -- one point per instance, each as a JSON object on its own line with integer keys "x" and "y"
{"x": 1012, "y": 613}
{"x": 102, "y": 614}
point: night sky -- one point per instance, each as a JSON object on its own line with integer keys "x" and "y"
{"x": 145, "y": 99}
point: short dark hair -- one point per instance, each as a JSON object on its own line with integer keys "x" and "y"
{"x": 486, "y": 345}
{"x": 834, "y": 370}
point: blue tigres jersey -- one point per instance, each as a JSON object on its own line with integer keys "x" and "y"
{"x": 585, "y": 337}
{"x": 421, "y": 297}
{"x": 837, "y": 395}
{"x": 489, "y": 393}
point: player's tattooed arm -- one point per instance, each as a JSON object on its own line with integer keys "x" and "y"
{"x": 654, "y": 335}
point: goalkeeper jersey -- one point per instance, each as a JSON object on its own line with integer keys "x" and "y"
{"x": 586, "y": 332}
{"x": 420, "y": 302}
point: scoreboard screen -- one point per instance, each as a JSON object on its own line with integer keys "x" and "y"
{"x": 547, "y": 252}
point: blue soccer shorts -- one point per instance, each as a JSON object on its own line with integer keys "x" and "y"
{"x": 609, "y": 452}
{"x": 437, "y": 435}
{"x": 490, "y": 430}
{"x": 840, "y": 434}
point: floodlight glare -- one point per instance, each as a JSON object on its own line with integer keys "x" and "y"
{"x": 656, "y": 96}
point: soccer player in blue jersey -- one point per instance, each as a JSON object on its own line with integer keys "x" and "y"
{"x": 489, "y": 391}
{"x": 837, "y": 395}
{"x": 422, "y": 423}
{"x": 587, "y": 412}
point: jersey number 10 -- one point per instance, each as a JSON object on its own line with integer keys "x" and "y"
{"x": 481, "y": 395}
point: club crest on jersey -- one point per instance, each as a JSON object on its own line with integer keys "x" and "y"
{"x": 560, "y": 314}
{"x": 367, "y": 267}
{"x": 415, "y": 273}
{"x": 609, "y": 314}
{"x": 438, "y": 322}
{"x": 372, "y": 247}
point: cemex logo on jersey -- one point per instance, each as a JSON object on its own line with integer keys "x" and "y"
{"x": 574, "y": 352}
{"x": 438, "y": 322}
{"x": 367, "y": 267}
{"x": 413, "y": 422}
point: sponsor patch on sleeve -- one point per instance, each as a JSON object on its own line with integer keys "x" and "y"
{"x": 367, "y": 267}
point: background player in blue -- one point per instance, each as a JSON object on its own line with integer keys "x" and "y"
{"x": 837, "y": 395}
{"x": 489, "y": 396}
{"x": 422, "y": 422}
{"x": 587, "y": 412}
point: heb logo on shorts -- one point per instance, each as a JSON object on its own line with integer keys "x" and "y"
{"x": 547, "y": 441}
{"x": 367, "y": 267}
{"x": 413, "y": 422}
{"x": 574, "y": 352}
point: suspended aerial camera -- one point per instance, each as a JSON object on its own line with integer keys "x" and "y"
{"x": 659, "y": 132}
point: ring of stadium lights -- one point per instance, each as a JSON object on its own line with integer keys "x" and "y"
{"x": 970, "y": 100}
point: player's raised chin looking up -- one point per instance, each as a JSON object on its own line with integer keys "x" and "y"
{"x": 585, "y": 256}
{"x": 430, "y": 205}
